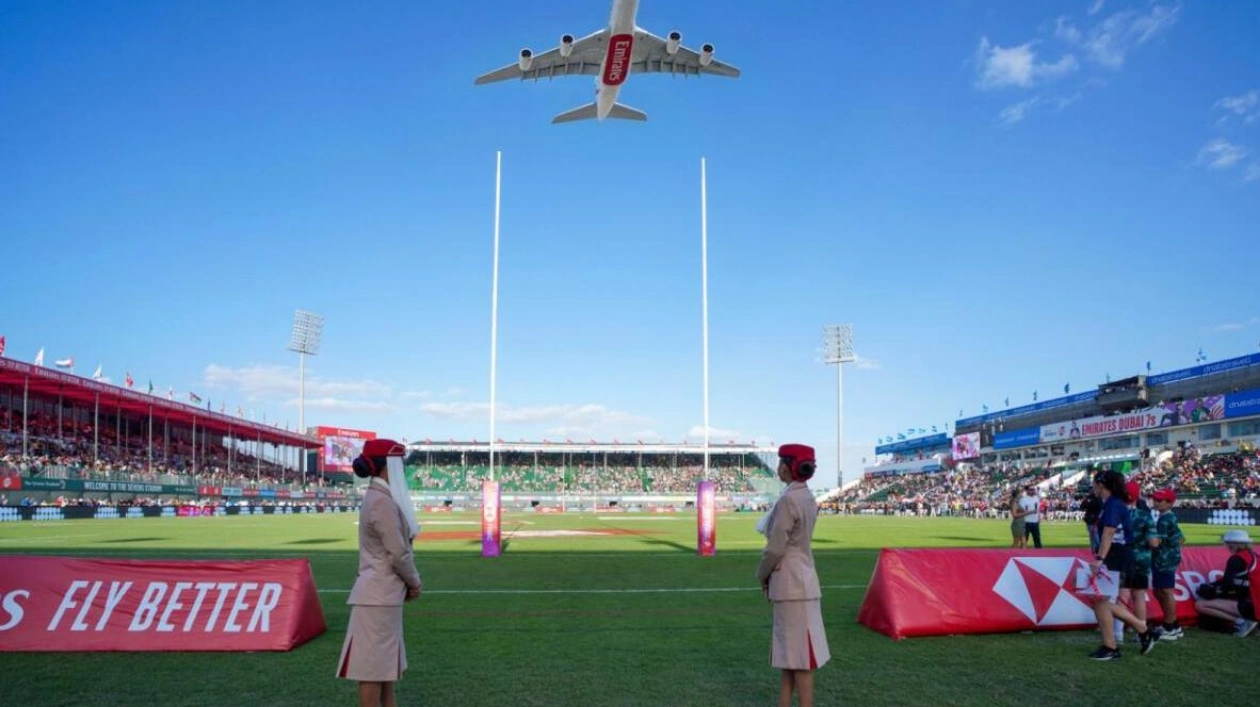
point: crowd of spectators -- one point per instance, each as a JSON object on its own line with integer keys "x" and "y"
{"x": 585, "y": 479}
{"x": 1218, "y": 481}
{"x": 75, "y": 450}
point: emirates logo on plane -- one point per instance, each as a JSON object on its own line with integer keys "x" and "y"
{"x": 617, "y": 62}
{"x": 1041, "y": 588}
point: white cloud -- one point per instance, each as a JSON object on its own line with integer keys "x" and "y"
{"x": 1245, "y": 106}
{"x": 1096, "y": 7}
{"x": 1253, "y": 172}
{"x": 1109, "y": 42}
{"x": 716, "y": 434}
{"x": 343, "y": 405}
{"x": 865, "y": 364}
{"x": 1221, "y": 154}
{"x": 588, "y": 416}
{"x": 453, "y": 392}
{"x": 1232, "y": 326}
{"x": 267, "y": 381}
{"x": 1003, "y": 67}
{"x": 417, "y": 395}
{"x": 1016, "y": 112}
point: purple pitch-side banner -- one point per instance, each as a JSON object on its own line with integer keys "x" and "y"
{"x": 706, "y": 519}
{"x": 490, "y": 524}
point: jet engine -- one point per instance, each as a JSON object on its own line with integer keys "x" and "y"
{"x": 706, "y": 55}
{"x": 566, "y": 45}
{"x": 527, "y": 59}
{"x": 672, "y": 42}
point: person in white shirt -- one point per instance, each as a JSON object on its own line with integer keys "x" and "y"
{"x": 1031, "y": 505}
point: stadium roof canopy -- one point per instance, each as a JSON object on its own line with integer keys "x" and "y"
{"x": 615, "y": 447}
{"x": 40, "y": 381}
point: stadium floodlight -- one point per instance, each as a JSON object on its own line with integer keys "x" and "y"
{"x": 838, "y": 349}
{"x": 308, "y": 328}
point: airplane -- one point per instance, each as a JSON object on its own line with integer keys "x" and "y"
{"x": 611, "y": 55}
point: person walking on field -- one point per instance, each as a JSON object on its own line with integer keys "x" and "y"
{"x": 799, "y": 641}
{"x": 374, "y": 653}
{"x": 1031, "y": 503}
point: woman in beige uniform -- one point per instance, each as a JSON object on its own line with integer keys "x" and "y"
{"x": 374, "y": 654}
{"x": 799, "y": 643}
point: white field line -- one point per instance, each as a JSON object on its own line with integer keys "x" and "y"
{"x": 664, "y": 590}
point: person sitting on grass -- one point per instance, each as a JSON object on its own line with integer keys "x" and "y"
{"x": 1229, "y": 598}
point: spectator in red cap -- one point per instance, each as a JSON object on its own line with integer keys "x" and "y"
{"x": 787, "y": 575}
{"x": 1165, "y": 560}
{"x": 374, "y": 653}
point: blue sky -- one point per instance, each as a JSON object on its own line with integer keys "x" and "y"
{"x": 1001, "y": 197}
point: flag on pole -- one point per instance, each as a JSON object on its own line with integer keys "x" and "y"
{"x": 170, "y": 393}
{"x": 193, "y": 397}
{"x": 131, "y": 383}
{"x": 239, "y": 411}
{"x": 1148, "y": 364}
{"x": 1034, "y": 396}
{"x": 985, "y": 408}
{"x": 1007, "y": 402}
{"x": 150, "y": 386}
{"x": 1, "y": 345}
{"x": 39, "y": 357}
{"x": 97, "y": 376}
{"x": 1067, "y": 388}
{"x": 64, "y": 362}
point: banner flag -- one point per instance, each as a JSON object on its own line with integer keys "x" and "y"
{"x": 490, "y": 519}
{"x": 706, "y": 519}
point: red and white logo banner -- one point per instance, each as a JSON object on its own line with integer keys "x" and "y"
{"x": 941, "y": 592}
{"x": 61, "y": 604}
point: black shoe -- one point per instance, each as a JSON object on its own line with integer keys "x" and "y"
{"x": 1105, "y": 653}
{"x": 1148, "y": 641}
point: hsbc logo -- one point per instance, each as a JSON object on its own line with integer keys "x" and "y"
{"x": 1042, "y": 589}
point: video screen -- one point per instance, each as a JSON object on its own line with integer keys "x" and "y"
{"x": 339, "y": 452}
{"x": 967, "y": 446}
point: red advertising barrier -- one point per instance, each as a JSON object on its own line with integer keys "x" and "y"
{"x": 54, "y": 604}
{"x": 941, "y": 592}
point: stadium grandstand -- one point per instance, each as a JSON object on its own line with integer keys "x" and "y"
{"x": 1194, "y": 430}
{"x": 613, "y": 475}
{"x": 69, "y": 439}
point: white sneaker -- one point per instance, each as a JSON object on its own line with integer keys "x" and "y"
{"x": 1243, "y": 628}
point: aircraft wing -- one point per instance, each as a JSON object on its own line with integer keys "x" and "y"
{"x": 585, "y": 58}
{"x": 651, "y": 57}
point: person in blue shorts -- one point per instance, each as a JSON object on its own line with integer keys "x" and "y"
{"x": 1115, "y": 530}
{"x": 1165, "y": 559}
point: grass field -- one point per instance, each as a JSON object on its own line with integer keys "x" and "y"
{"x": 561, "y": 629}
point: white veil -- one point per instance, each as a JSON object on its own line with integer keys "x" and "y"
{"x": 402, "y": 495}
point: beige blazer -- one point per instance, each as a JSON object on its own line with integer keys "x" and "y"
{"x": 788, "y": 562}
{"x": 386, "y": 564}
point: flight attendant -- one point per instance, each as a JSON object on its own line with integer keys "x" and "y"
{"x": 799, "y": 641}
{"x": 374, "y": 654}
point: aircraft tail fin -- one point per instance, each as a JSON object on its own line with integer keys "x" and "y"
{"x": 590, "y": 110}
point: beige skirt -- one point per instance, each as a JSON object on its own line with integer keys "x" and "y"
{"x": 373, "y": 650}
{"x": 799, "y": 641}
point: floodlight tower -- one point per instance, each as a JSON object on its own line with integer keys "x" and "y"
{"x": 838, "y": 349}
{"x": 307, "y": 330}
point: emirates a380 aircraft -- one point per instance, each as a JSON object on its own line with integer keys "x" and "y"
{"x": 611, "y": 55}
